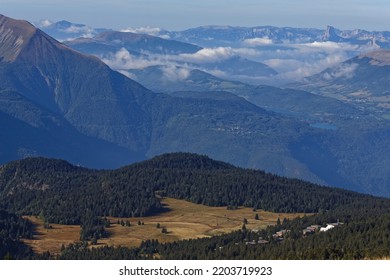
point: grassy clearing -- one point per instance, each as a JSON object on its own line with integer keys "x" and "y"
{"x": 51, "y": 239}
{"x": 184, "y": 220}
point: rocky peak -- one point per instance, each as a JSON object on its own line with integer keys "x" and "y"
{"x": 14, "y": 35}
{"x": 331, "y": 35}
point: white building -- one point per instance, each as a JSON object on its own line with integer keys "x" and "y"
{"x": 328, "y": 227}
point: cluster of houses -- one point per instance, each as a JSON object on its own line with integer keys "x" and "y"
{"x": 308, "y": 231}
{"x": 315, "y": 228}
{"x": 280, "y": 235}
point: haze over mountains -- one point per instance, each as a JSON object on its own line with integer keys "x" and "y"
{"x": 58, "y": 102}
{"x": 293, "y": 53}
{"x": 362, "y": 80}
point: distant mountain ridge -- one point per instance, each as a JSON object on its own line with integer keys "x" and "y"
{"x": 150, "y": 50}
{"x": 267, "y": 53}
{"x": 114, "y": 40}
{"x": 279, "y": 35}
{"x": 227, "y": 35}
{"x": 65, "y": 30}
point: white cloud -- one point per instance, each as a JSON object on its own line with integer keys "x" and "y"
{"x": 258, "y": 41}
{"x": 44, "y": 23}
{"x": 173, "y": 73}
{"x": 345, "y": 70}
{"x": 292, "y": 62}
{"x": 209, "y": 55}
{"x": 78, "y": 29}
{"x": 298, "y": 61}
{"x": 154, "y": 31}
{"x": 165, "y": 36}
{"x": 293, "y": 69}
{"x": 328, "y": 46}
{"x": 123, "y": 60}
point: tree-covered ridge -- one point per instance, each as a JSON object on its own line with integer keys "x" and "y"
{"x": 62, "y": 193}
{"x": 181, "y": 161}
{"x": 65, "y": 194}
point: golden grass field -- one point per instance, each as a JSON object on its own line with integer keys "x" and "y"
{"x": 184, "y": 220}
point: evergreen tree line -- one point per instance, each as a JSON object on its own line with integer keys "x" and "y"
{"x": 12, "y": 229}
{"x": 365, "y": 236}
{"x": 62, "y": 193}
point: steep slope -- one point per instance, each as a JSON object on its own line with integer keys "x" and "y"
{"x": 97, "y": 101}
{"x": 30, "y": 130}
{"x": 14, "y": 36}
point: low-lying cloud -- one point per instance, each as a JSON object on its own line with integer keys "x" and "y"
{"x": 258, "y": 41}
{"x": 173, "y": 73}
{"x": 124, "y": 60}
{"x": 208, "y": 55}
{"x": 292, "y": 62}
{"x": 44, "y": 23}
{"x": 153, "y": 31}
{"x": 346, "y": 70}
{"x": 80, "y": 31}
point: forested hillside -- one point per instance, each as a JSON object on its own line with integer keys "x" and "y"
{"x": 62, "y": 193}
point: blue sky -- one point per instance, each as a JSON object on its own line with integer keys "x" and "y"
{"x": 182, "y": 14}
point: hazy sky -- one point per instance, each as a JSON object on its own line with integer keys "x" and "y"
{"x": 182, "y": 14}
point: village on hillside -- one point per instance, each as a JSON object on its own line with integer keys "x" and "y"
{"x": 282, "y": 234}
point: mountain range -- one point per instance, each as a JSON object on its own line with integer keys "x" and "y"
{"x": 58, "y": 102}
{"x": 128, "y": 47}
{"x": 207, "y": 36}
{"x": 88, "y": 96}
